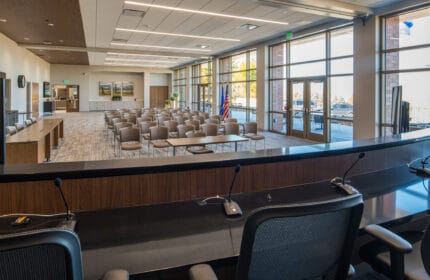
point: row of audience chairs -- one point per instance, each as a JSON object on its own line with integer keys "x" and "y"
{"x": 11, "y": 130}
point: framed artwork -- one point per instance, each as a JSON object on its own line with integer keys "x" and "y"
{"x": 105, "y": 88}
{"x": 127, "y": 89}
{"x": 117, "y": 89}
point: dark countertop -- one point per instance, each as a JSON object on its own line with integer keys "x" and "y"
{"x": 69, "y": 170}
{"x": 148, "y": 238}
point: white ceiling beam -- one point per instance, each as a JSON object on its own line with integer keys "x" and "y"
{"x": 328, "y": 8}
{"x": 106, "y": 50}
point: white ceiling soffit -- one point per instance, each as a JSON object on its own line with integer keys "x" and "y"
{"x": 328, "y": 8}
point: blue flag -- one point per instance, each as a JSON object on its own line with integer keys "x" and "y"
{"x": 221, "y": 108}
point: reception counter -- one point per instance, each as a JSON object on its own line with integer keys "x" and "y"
{"x": 126, "y": 183}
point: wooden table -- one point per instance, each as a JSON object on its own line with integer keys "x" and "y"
{"x": 34, "y": 143}
{"x": 197, "y": 141}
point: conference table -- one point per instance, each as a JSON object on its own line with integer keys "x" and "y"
{"x": 208, "y": 140}
{"x": 34, "y": 144}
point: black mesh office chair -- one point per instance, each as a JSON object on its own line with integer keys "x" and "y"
{"x": 48, "y": 254}
{"x": 395, "y": 256}
{"x": 299, "y": 241}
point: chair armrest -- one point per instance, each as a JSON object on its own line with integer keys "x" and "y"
{"x": 391, "y": 239}
{"x": 202, "y": 272}
{"x": 116, "y": 274}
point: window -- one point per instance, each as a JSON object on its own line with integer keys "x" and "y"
{"x": 180, "y": 85}
{"x": 239, "y": 74}
{"x": 309, "y": 57}
{"x": 406, "y": 63}
{"x": 202, "y": 87}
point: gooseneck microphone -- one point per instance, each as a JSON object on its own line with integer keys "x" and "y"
{"x": 423, "y": 171}
{"x": 231, "y": 207}
{"x": 360, "y": 156}
{"x": 340, "y": 182}
{"x": 59, "y": 183}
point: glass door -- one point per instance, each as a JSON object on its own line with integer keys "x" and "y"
{"x": 203, "y": 98}
{"x": 297, "y": 90}
{"x": 307, "y": 109}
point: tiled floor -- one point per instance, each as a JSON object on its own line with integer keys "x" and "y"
{"x": 86, "y": 139}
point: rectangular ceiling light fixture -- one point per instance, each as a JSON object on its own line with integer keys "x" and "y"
{"x": 159, "y": 47}
{"x": 135, "y": 65}
{"x": 203, "y": 12}
{"x": 177, "y": 35}
{"x": 143, "y": 55}
{"x": 138, "y": 60}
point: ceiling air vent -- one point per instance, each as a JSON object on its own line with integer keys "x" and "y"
{"x": 133, "y": 13}
{"x": 117, "y": 40}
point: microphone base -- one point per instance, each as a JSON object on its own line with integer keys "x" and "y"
{"x": 423, "y": 172}
{"x": 348, "y": 189}
{"x": 231, "y": 208}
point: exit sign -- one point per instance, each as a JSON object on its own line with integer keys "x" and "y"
{"x": 289, "y": 35}
{"x": 66, "y": 81}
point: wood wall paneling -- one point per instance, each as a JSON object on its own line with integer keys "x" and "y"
{"x": 158, "y": 95}
{"x": 125, "y": 191}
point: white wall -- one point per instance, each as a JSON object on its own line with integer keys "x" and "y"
{"x": 88, "y": 78}
{"x": 16, "y": 61}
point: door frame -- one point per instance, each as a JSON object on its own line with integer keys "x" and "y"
{"x": 307, "y": 121}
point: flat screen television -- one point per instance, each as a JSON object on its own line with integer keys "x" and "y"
{"x": 46, "y": 90}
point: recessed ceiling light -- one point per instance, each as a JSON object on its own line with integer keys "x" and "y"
{"x": 50, "y": 24}
{"x": 3, "y": 20}
{"x": 26, "y": 38}
{"x": 203, "y": 12}
{"x": 157, "y": 47}
{"x": 47, "y": 42}
{"x": 177, "y": 35}
{"x": 143, "y": 55}
{"x": 249, "y": 26}
{"x": 61, "y": 41}
{"x": 133, "y": 13}
{"x": 202, "y": 46}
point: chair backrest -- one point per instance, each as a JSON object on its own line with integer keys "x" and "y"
{"x": 11, "y": 130}
{"x": 230, "y": 120}
{"x": 144, "y": 126}
{"x": 49, "y": 254}
{"x": 131, "y": 119}
{"x": 121, "y": 125}
{"x": 33, "y": 120}
{"x": 215, "y": 121}
{"x": 183, "y": 129}
{"x": 199, "y": 118}
{"x": 231, "y": 128}
{"x": 19, "y": 126}
{"x": 195, "y": 123}
{"x": 28, "y": 123}
{"x": 158, "y": 133}
{"x": 250, "y": 128}
{"x": 425, "y": 249}
{"x": 191, "y": 134}
{"x": 128, "y": 134}
{"x": 171, "y": 125}
{"x": 211, "y": 129}
{"x": 300, "y": 241}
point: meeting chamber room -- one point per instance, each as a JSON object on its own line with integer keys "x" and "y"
{"x": 215, "y": 139}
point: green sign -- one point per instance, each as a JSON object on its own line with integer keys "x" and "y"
{"x": 289, "y": 35}
{"x": 66, "y": 81}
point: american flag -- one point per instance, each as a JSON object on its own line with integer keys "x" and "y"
{"x": 226, "y": 104}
